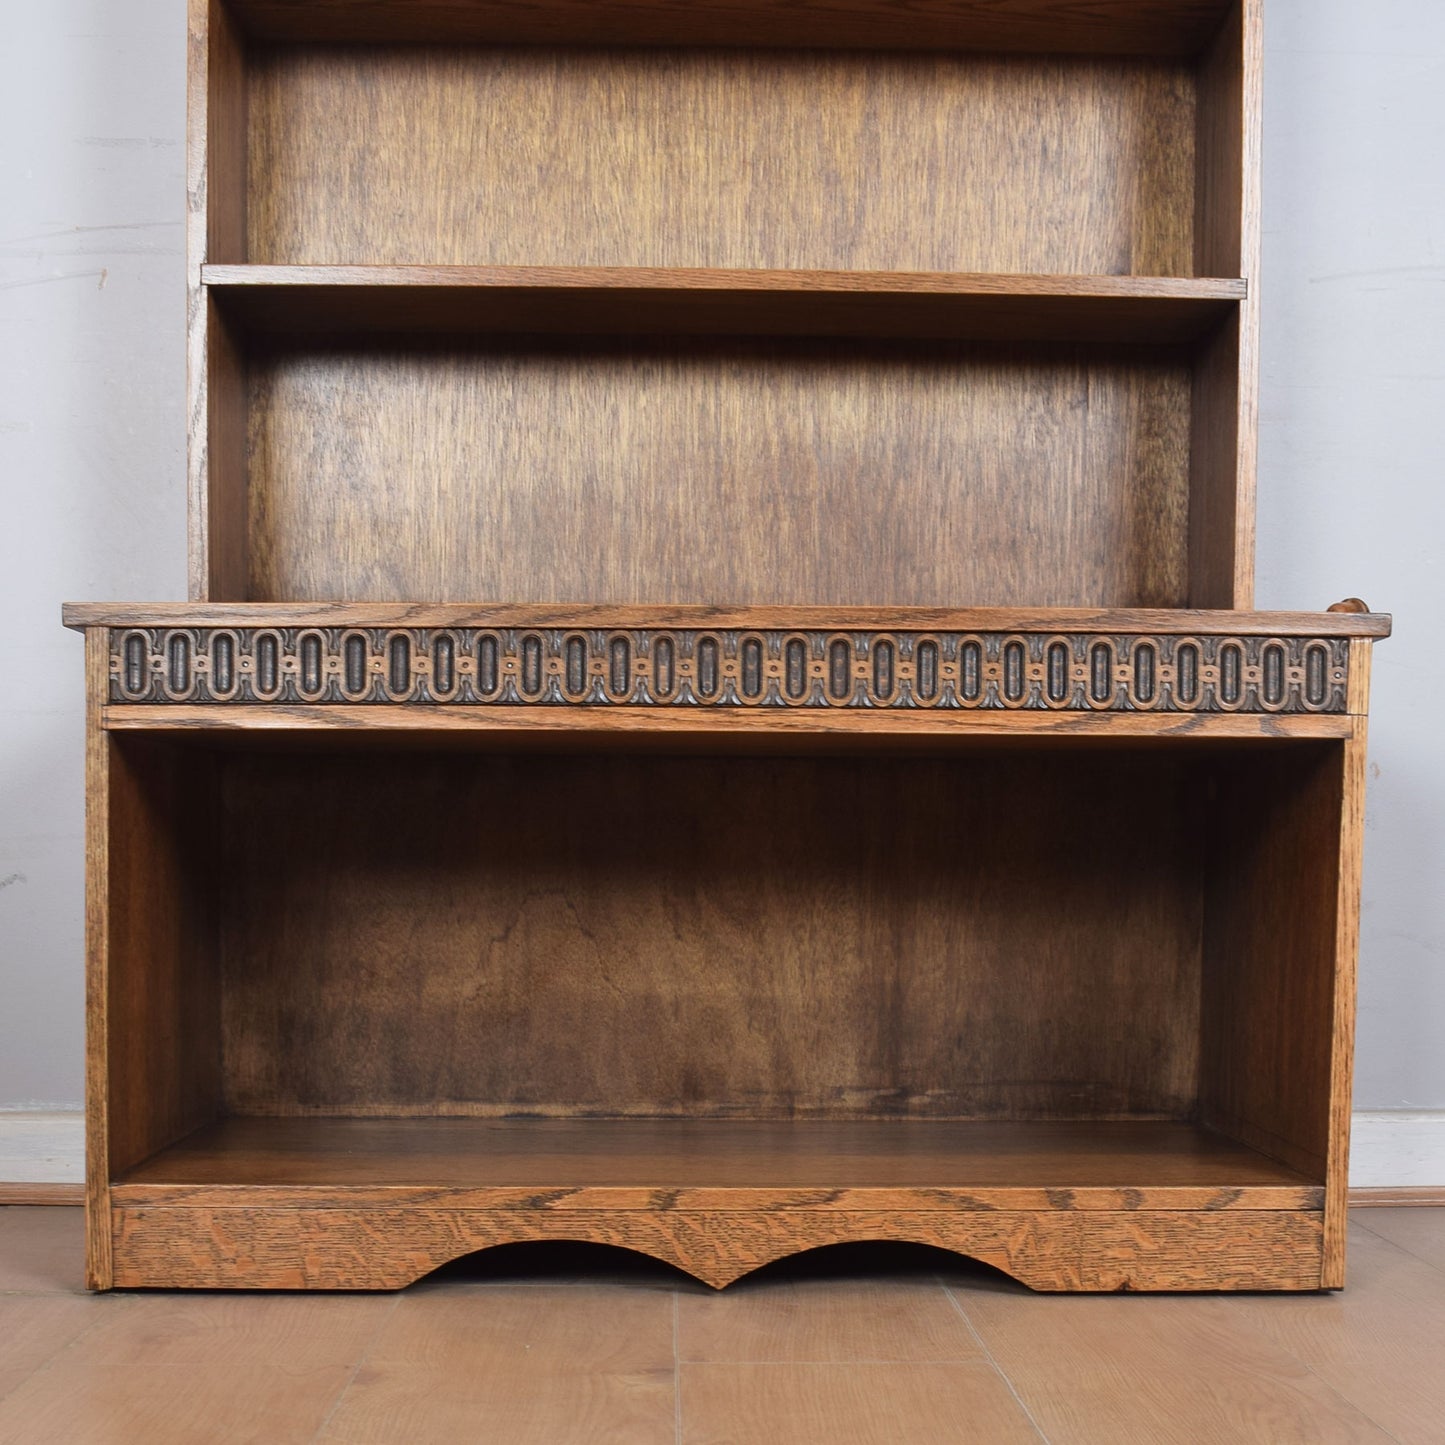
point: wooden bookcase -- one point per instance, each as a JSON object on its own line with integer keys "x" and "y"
{"x": 720, "y": 710}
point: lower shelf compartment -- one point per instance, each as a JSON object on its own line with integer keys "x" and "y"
{"x": 723, "y": 1163}
{"x": 376, "y": 1203}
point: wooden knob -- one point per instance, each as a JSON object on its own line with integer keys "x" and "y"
{"x": 1350, "y": 604}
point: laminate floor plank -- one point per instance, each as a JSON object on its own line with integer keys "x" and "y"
{"x": 35, "y": 1328}
{"x": 1380, "y": 1342}
{"x": 295, "y": 1332}
{"x": 78, "y": 1402}
{"x": 828, "y": 1321}
{"x": 42, "y": 1250}
{"x": 461, "y": 1361}
{"x": 1420, "y": 1231}
{"x": 1157, "y": 1370}
{"x": 566, "y": 1330}
{"x": 851, "y": 1404}
{"x": 400, "y": 1404}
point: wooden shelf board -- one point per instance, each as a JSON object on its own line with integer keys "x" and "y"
{"x": 1167, "y": 621}
{"x": 1163, "y": 27}
{"x": 456, "y": 300}
{"x": 651, "y": 1164}
{"x": 709, "y": 729}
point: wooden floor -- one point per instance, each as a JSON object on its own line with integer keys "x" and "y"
{"x": 556, "y": 1344}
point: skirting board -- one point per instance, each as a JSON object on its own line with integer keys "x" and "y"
{"x": 1396, "y": 1158}
{"x": 41, "y": 1148}
{"x": 1397, "y": 1150}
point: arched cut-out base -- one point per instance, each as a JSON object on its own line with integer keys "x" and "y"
{"x": 300, "y": 1247}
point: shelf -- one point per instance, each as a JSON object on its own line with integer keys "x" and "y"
{"x": 269, "y": 1203}
{"x": 710, "y": 675}
{"x": 467, "y": 300}
{"x": 1180, "y": 621}
{"x": 1165, "y": 27}
{"x": 564, "y": 1164}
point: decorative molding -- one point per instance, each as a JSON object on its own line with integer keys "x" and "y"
{"x": 664, "y": 668}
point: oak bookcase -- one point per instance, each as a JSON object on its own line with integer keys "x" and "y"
{"x": 720, "y": 710}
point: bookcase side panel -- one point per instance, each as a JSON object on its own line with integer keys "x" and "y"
{"x": 1276, "y": 896}
{"x": 1347, "y": 944}
{"x": 98, "y": 747}
{"x": 159, "y": 1028}
{"x": 1224, "y": 448}
{"x": 216, "y": 233}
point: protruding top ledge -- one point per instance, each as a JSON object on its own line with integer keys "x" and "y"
{"x": 1176, "y": 622}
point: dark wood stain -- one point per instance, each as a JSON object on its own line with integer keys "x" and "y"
{"x": 790, "y": 937}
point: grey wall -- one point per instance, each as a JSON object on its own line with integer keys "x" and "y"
{"x": 92, "y": 449}
{"x": 1352, "y": 456}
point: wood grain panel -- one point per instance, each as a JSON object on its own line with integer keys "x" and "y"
{"x": 1220, "y": 516}
{"x": 1351, "y": 845}
{"x": 216, "y": 190}
{"x": 791, "y": 937}
{"x": 218, "y": 458}
{"x": 731, "y": 731}
{"x": 1191, "y": 1251}
{"x": 1227, "y": 243}
{"x": 161, "y": 1022}
{"x": 734, "y": 472}
{"x": 153, "y": 1041}
{"x": 216, "y": 196}
{"x": 99, "y": 748}
{"x": 579, "y": 157}
{"x": 307, "y": 1248}
{"x": 1273, "y": 915}
{"x": 1110, "y": 27}
{"x": 300, "y": 1248}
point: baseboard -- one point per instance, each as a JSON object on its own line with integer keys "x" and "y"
{"x": 1398, "y": 1198}
{"x": 1395, "y": 1158}
{"x": 42, "y": 1156}
{"x": 41, "y": 1194}
{"x": 1397, "y": 1150}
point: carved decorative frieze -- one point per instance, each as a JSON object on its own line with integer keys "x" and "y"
{"x": 671, "y": 668}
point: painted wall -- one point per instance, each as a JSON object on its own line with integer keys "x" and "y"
{"x": 1352, "y": 453}
{"x": 92, "y": 437}
{"x": 92, "y": 449}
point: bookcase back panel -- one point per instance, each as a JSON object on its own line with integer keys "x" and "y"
{"x": 698, "y": 158}
{"x": 719, "y": 472}
{"x": 1009, "y": 937}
